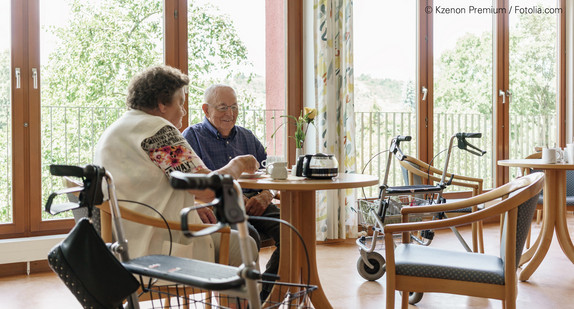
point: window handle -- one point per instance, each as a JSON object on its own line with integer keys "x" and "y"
{"x": 35, "y": 77}
{"x": 425, "y": 90}
{"x": 17, "y": 74}
{"x": 502, "y": 94}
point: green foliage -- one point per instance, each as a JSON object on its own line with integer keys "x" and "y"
{"x": 97, "y": 52}
{"x": 215, "y": 50}
{"x": 534, "y": 60}
{"x": 463, "y": 76}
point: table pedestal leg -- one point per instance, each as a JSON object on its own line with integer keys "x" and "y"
{"x": 562, "y": 231}
{"x": 554, "y": 194}
{"x": 298, "y": 208}
{"x": 310, "y": 236}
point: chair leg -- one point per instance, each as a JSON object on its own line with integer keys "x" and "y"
{"x": 475, "y": 241}
{"x": 538, "y": 216}
{"x": 390, "y": 296}
{"x": 480, "y": 237}
{"x": 405, "y": 300}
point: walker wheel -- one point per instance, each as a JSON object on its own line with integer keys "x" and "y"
{"x": 415, "y": 297}
{"x": 371, "y": 274}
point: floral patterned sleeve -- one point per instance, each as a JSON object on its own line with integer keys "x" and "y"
{"x": 169, "y": 150}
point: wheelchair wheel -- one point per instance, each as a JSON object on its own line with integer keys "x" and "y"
{"x": 371, "y": 274}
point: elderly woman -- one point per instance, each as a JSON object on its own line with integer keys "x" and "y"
{"x": 141, "y": 149}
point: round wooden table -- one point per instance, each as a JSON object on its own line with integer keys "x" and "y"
{"x": 298, "y": 208}
{"x": 554, "y": 210}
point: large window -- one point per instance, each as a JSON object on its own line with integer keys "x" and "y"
{"x": 385, "y": 80}
{"x": 90, "y": 50}
{"x": 532, "y": 92}
{"x": 226, "y": 45}
{"x": 6, "y": 214}
{"x": 73, "y": 60}
{"x": 481, "y": 66}
{"x": 462, "y": 87}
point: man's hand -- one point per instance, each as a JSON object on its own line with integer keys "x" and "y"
{"x": 257, "y": 204}
{"x": 206, "y": 215}
{"x": 239, "y": 164}
{"x": 249, "y": 163}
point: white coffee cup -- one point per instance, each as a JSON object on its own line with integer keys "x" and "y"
{"x": 272, "y": 159}
{"x": 294, "y": 168}
{"x": 548, "y": 155}
{"x": 570, "y": 153}
{"x": 277, "y": 170}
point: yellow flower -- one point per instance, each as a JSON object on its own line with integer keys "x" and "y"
{"x": 301, "y": 125}
{"x": 310, "y": 113}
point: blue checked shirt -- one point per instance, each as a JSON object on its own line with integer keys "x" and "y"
{"x": 216, "y": 151}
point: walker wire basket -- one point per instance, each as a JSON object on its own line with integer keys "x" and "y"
{"x": 367, "y": 209}
{"x": 287, "y": 295}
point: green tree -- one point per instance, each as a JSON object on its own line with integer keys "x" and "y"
{"x": 464, "y": 74}
{"x": 100, "y": 48}
{"x": 105, "y": 44}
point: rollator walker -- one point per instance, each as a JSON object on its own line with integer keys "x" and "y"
{"x": 234, "y": 287}
{"x": 375, "y": 213}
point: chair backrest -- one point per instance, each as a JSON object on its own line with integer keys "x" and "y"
{"x": 416, "y": 172}
{"x": 524, "y": 214}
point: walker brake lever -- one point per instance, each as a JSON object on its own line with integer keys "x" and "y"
{"x": 203, "y": 232}
{"x": 464, "y": 144}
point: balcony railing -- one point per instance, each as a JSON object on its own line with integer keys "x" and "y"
{"x": 69, "y": 135}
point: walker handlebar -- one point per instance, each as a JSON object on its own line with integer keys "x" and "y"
{"x": 464, "y": 144}
{"x": 74, "y": 171}
{"x": 395, "y": 147}
{"x": 181, "y": 180}
{"x": 403, "y": 138}
{"x": 90, "y": 194}
{"x": 225, "y": 205}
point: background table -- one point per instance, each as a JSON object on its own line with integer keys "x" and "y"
{"x": 554, "y": 212}
{"x": 298, "y": 208}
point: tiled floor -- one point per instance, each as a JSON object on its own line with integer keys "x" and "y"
{"x": 551, "y": 286}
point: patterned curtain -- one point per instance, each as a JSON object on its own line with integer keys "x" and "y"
{"x": 333, "y": 49}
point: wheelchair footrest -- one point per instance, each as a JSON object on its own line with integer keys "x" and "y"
{"x": 200, "y": 274}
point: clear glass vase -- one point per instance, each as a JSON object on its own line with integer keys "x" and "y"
{"x": 298, "y": 152}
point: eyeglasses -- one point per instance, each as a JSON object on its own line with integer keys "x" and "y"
{"x": 223, "y": 108}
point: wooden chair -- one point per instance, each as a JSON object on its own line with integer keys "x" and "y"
{"x": 415, "y": 268}
{"x": 130, "y": 215}
{"x": 415, "y": 171}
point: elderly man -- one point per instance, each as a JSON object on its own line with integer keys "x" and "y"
{"x": 217, "y": 140}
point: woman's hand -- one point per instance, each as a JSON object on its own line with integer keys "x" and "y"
{"x": 206, "y": 215}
